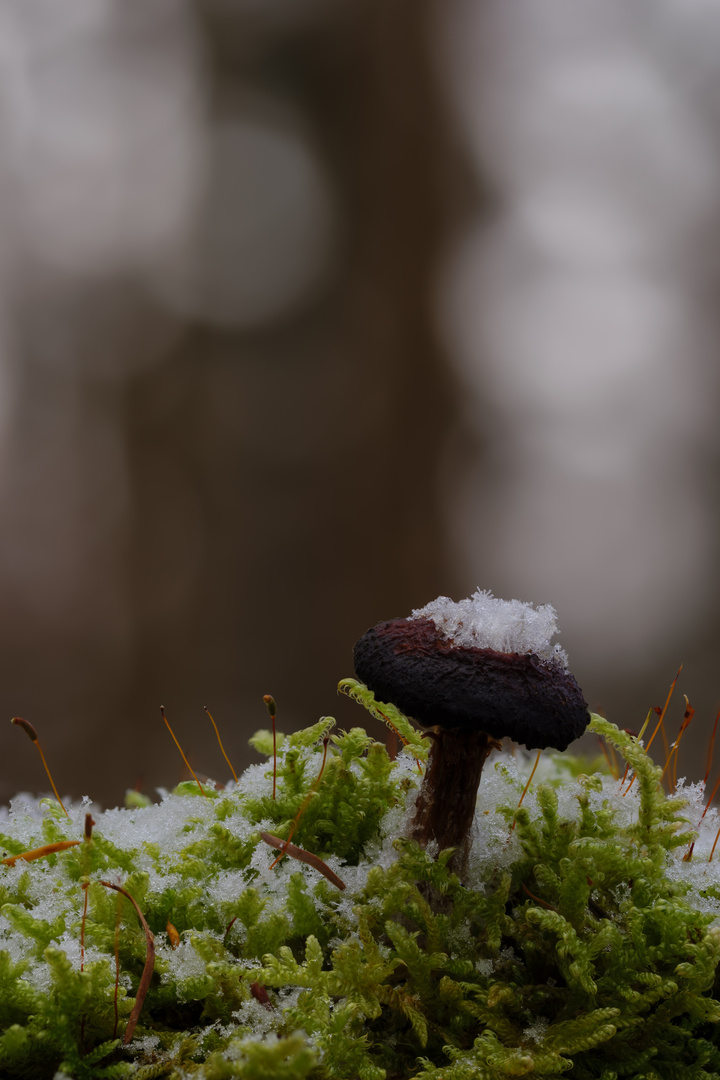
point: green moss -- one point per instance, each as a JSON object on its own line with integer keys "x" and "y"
{"x": 574, "y": 944}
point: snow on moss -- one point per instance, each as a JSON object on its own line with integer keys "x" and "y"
{"x": 577, "y": 905}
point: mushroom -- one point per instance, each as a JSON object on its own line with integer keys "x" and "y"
{"x": 471, "y": 673}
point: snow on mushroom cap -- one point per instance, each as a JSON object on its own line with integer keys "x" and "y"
{"x": 480, "y": 665}
{"x": 483, "y": 622}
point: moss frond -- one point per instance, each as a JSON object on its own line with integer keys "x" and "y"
{"x": 574, "y": 944}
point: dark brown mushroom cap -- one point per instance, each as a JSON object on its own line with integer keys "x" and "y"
{"x": 515, "y": 695}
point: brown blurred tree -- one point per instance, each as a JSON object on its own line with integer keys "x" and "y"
{"x": 282, "y": 482}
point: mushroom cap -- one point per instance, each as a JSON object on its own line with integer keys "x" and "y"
{"x": 520, "y": 696}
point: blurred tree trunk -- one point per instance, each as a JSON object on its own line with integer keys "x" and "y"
{"x": 308, "y": 453}
{"x": 282, "y": 483}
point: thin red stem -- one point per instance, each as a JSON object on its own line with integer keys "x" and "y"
{"x": 182, "y": 754}
{"x": 305, "y": 802}
{"x": 272, "y": 709}
{"x": 145, "y": 978}
{"x": 658, "y": 725}
{"x": 302, "y": 856}
{"x": 710, "y": 749}
{"x": 525, "y": 789}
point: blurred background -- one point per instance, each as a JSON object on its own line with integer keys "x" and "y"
{"x": 310, "y": 312}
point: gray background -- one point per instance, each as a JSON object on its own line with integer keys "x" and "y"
{"x": 311, "y": 311}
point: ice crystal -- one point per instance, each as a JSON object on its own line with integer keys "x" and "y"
{"x": 483, "y": 621}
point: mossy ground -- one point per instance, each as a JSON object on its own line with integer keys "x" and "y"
{"x": 576, "y": 943}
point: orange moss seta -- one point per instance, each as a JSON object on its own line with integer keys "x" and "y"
{"x": 32, "y": 735}
{"x": 222, "y": 748}
{"x": 182, "y": 754}
{"x": 659, "y": 726}
{"x": 672, "y": 756}
{"x": 305, "y": 802}
{"x": 39, "y": 853}
{"x": 271, "y": 707}
{"x": 711, "y": 747}
{"x": 302, "y": 856}
{"x": 529, "y": 782}
{"x": 147, "y": 974}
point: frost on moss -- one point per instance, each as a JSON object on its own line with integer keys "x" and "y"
{"x": 580, "y": 940}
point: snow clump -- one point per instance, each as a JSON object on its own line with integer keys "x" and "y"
{"x": 484, "y": 622}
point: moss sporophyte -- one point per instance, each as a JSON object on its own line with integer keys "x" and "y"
{"x": 339, "y": 914}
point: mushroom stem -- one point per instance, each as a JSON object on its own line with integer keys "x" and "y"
{"x": 445, "y": 806}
